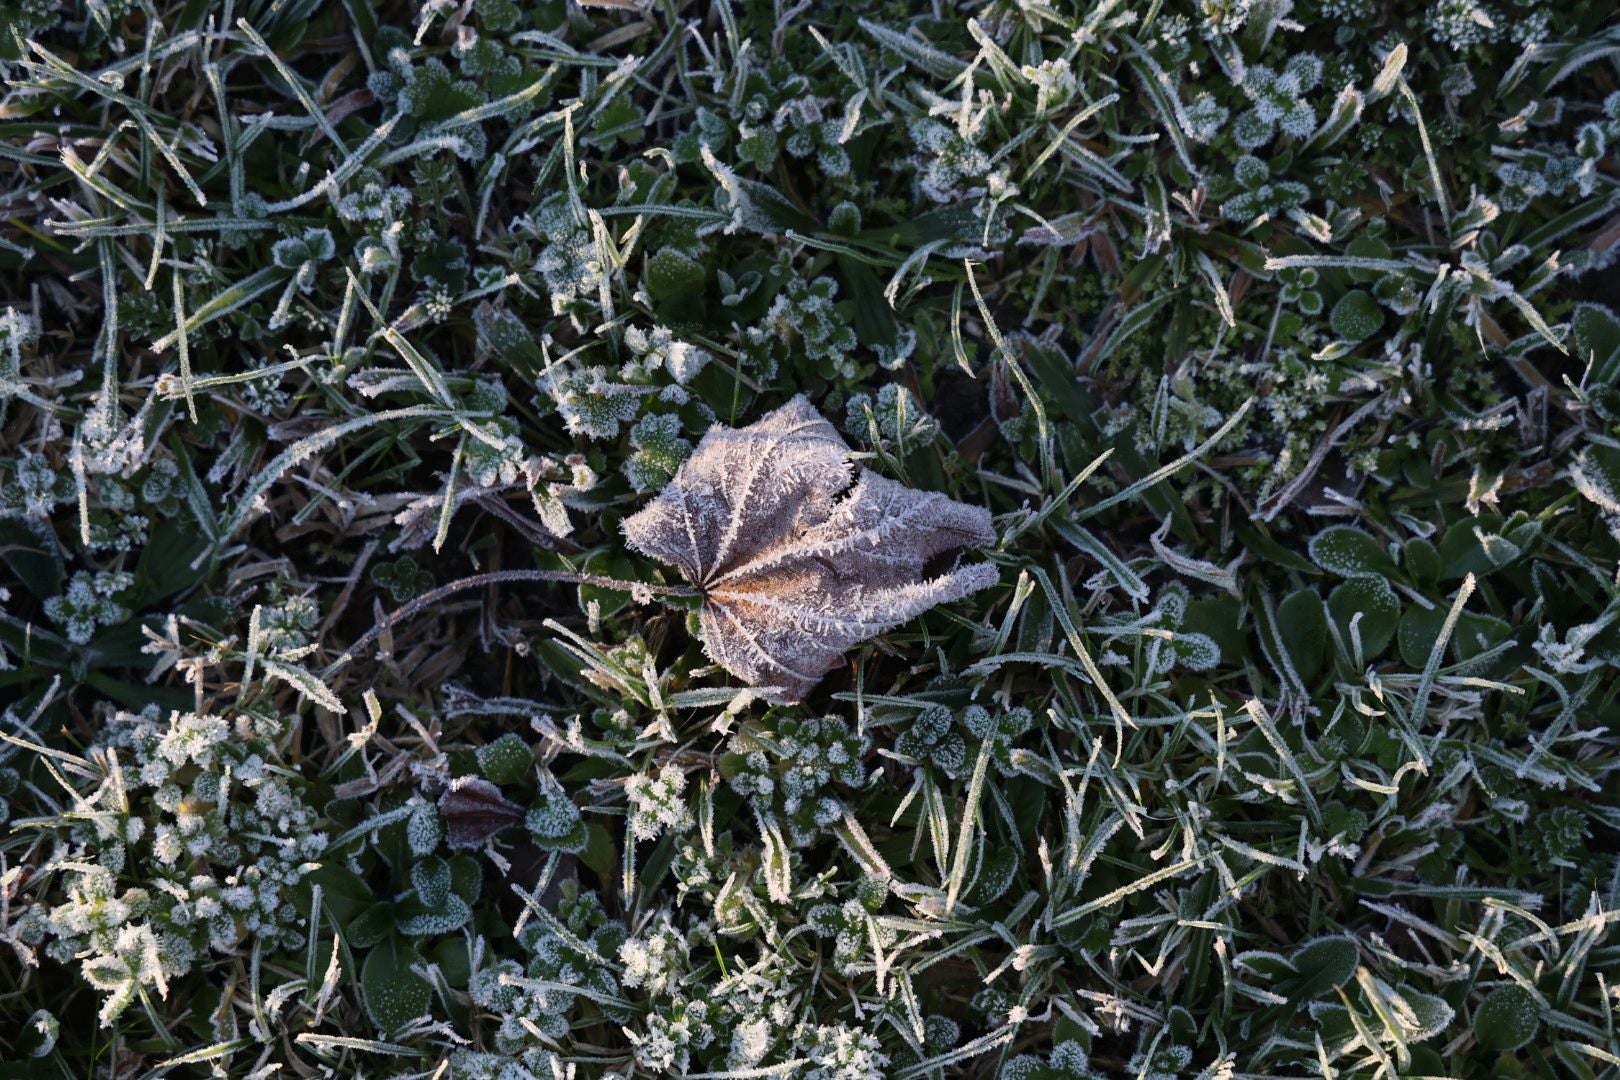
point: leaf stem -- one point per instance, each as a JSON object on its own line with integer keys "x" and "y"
{"x": 431, "y": 597}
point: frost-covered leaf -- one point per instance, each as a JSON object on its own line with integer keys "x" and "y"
{"x": 554, "y": 822}
{"x": 1349, "y": 552}
{"x": 1356, "y": 316}
{"x": 306, "y": 684}
{"x": 796, "y": 565}
{"x": 39, "y": 1034}
{"x": 506, "y": 760}
{"x": 1597, "y": 340}
{"x": 1596, "y": 474}
{"x": 1421, "y": 1016}
{"x": 1320, "y": 966}
{"x": 1302, "y": 625}
{"x": 1507, "y": 1019}
{"x": 423, "y": 830}
{"x": 395, "y": 995}
{"x": 1375, "y": 601}
{"x": 474, "y": 811}
{"x": 420, "y": 919}
{"x": 431, "y": 880}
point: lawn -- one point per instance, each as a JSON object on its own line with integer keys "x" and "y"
{"x": 659, "y": 538}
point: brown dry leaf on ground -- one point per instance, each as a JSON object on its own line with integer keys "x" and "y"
{"x": 796, "y": 565}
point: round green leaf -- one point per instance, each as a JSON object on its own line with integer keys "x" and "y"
{"x": 431, "y": 879}
{"x": 1507, "y": 1019}
{"x": 1379, "y": 607}
{"x": 1357, "y": 316}
{"x": 673, "y": 273}
{"x": 1422, "y": 560}
{"x": 1419, "y": 630}
{"x": 395, "y": 995}
{"x": 1321, "y": 965}
{"x": 507, "y": 760}
{"x": 1347, "y": 551}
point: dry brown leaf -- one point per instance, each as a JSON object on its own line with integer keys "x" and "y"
{"x": 796, "y": 565}
{"x": 475, "y": 811}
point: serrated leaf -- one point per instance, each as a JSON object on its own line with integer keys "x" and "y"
{"x": 795, "y": 564}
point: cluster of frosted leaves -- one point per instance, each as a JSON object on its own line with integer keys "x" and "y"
{"x": 534, "y": 1002}
{"x": 942, "y": 738}
{"x": 790, "y": 769}
{"x": 795, "y": 564}
{"x": 189, "y": 845}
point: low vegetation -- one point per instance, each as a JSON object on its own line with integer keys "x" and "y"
{"x": 393, "y": 682}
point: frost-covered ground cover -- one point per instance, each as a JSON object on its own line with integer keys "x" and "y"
{"x": 1260, "y": 358}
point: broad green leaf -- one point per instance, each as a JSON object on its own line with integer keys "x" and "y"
{"x": 31, "y": 550}
{"x": 394, "y": 994}
{"x": 1422, "y": 560}
{"x": 430, "y": 877}
{"x": 1597, "y": 341}
{"x": 1302, "y": 626}
{"x": 372, "y": 925}
{"x": 1477, "y": 632}
{"x": 1461, "y": 551}
{"x": 1380, "y": 612}
{"x": 507, "y": 760}
{"x": 417, "y": 919}
{"x": 1507, "y": 1019}
{"x": 1357, "y": 316}
{"x": 1349, "y": 552}
{"x": 1424, "y": 1015}
{"x": 1320, "y": 967}
{"x": 1596, "y": 475}
{"x": 1419, "y": 630}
